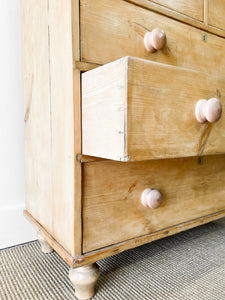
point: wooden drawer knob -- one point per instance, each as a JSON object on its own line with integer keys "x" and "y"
{"x": 151, "y": 198}
{"x": 210, "y": 110}
{"x": 155, "y": 40}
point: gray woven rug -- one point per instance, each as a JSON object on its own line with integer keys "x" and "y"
{"x": 189, "y": 265}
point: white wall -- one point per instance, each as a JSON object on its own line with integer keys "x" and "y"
{"x": 14, "y": 229}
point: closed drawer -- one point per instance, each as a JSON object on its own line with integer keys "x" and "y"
{"x": 216, "y": 13}
{"x": 134, "y": 109}
{"x": 191, "y": 8}
{"x": 112, "y": 208}
{"x": 112, "y": 29}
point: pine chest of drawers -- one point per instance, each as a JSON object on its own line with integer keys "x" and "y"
{"x": 124, "y": 124}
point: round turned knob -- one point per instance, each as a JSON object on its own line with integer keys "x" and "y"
{"x": 155, "y": 40}
{"x": 151, "y": 198}
{"x": 210, "y": 110}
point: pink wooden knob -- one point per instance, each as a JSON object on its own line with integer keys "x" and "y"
{"x": 151, "y": 198}
{"x": 155, "y": 40}
{"x": 210, "y": 110}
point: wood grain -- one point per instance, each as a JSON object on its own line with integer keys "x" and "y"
{"x": 112, "y": 208}
{"x": 84, "y": 66}
{"x": 75, "y": 17}
{"x": 52, "y": 104}
{"x": 172, "y": 13}
{"x": 77, "y": 210}
{"x": 113, "y": 29}
{"x": 216, "y": 13}
{"x": 191, "y": 8}
{"x": 86, "y": 158}
{"x": 103, "y": 98}
{"x": 37, "y": 107}
{"x": 62, "y": 121}
{"x": 66, "y": 256}
{"x": 157, "y": 103}
{"x": 161, "y": 119}
{"x": 94, "y": 256}
{"x": 55, "y": 52}
{"x": 206, "y": 12}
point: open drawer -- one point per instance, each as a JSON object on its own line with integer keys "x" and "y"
{"x": 134, "y": 109}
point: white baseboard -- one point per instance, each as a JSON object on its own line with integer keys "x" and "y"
{"x": 14, "y": 228}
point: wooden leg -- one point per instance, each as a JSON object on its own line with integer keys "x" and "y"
{"x": 45, "y": 247}
{"x": 84, "y": 280}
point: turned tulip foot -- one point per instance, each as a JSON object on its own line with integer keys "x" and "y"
{"x": 84, "y": 280}
{"x": 45, "y": 247}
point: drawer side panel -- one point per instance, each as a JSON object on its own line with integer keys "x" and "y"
{"x": 104, "y": 98}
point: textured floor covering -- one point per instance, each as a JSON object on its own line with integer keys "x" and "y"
{"x": 189, "y": 265}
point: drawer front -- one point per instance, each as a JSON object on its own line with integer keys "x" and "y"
{"x": 191, "y": 8}
{"x": 134, "y": 109}
{"x": 112, "y": 29}
{"x": 112, "y": 208}
{"x": 216, "y": 13}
